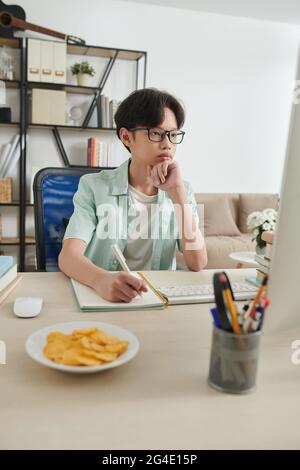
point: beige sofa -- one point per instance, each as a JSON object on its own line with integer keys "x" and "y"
{"x": 223, "y": 221}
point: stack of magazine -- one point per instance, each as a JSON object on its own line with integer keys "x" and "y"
{"x": 264, "y": 259}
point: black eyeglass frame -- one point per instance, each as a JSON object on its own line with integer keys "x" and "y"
{"x": 182, "y": 133}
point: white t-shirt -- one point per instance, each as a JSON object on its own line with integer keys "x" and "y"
{"x": 139, "y": 245}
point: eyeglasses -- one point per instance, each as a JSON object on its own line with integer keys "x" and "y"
{"x": 156, "y": 134}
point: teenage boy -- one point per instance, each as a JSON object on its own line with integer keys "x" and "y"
{"x": 143, "y": 205}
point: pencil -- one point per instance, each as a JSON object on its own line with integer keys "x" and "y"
{"x": 230, "y": 304}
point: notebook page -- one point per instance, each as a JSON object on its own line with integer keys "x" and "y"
{"x": 88, "y": 299}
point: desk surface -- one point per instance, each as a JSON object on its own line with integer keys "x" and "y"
{"x": 159, "y": 400}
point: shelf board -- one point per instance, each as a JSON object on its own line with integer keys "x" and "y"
{"x": 10, "y": 42}
{"x": 78, "y": 128}
{"x": 9, "y": 124}
{"x": 16, "y": 203}
{"x": 99, "y": 167}
{"x": 104, "y": 52}
{"x": 16, "y": 241}
{"x": 11, "y": 83}
{"x": 69, "y": 88}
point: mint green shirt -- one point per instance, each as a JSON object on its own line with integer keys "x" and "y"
{"x": 106, "y": 193}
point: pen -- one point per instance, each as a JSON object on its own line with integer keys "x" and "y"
{"x": 122, "y": 260}
{"x": 221, "y": 307}
{"x": 258, "y": 296}
{"x": 214, "y": 313}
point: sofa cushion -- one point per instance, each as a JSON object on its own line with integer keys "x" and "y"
{"x": 232, "y": 198}
{"x": 219, "y": 248}
{"x": 218, "y": 219}
{"x": 254, "y": 202}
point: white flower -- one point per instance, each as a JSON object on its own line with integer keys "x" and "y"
{"x": 270, "y": 214}
{"x": 266, "y": 226}
{"x": 265, "y": 220}
{"x": 255, "y": 219}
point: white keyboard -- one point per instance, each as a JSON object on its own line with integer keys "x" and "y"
{"x": 202, "y": 293}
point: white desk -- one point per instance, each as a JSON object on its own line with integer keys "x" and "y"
{"x": 158, "y": 400}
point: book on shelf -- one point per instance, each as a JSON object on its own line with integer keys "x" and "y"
{"x": 262, "y": 260}
{"x": 260, "y": 274}
{"x": 253, "y": 280}
{"x": 108, "y": 156}
{"x": 106, "y": 110}
{"x": 263, "y": 269}
{"x": 102, "y": 154}
{"x": 92, "y": 152}
{"x": 8, "y": 277}
{"x": 268, "y": 251}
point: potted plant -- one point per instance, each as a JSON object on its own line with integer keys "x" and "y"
{"x": 83, "y": 71}
{"x": 259, "y": 222}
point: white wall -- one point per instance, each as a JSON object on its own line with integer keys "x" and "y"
{"x": 235, "y": 76}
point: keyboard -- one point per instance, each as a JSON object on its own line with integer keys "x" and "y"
{"x": 204, "y": 293}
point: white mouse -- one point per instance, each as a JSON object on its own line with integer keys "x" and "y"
{"x": 27, "y": 307}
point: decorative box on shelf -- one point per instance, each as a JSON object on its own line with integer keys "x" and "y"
{"x": 5, "y": 190}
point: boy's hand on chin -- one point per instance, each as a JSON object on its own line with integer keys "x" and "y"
{"x": 165, "y": 175}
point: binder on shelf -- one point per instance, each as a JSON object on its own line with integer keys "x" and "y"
{"x": 33, "y": 60}
{"x": 46, "y": 61}
{"x": 59, "y": 59}
{"x": 48, "y": 107}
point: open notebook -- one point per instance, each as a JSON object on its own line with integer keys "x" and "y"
{"x": 89, "y": 300}
{"x": 159, "y": 297}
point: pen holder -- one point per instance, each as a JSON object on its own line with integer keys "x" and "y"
{"x": 233, "y": 361}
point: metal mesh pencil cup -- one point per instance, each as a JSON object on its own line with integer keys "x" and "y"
{"x": 233, "y": 361}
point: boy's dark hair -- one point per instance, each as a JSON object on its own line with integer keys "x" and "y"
{"x": 146, "y": 108}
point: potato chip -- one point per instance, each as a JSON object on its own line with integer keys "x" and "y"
{"x": 85, "y": 347}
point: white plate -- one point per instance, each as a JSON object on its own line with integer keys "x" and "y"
{"x": 37, "y": 341}
{"x": 246, "y": 257}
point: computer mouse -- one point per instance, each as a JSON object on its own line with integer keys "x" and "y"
{"x": 27, "y": 307}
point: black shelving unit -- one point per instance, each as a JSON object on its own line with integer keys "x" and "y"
{"x": 17, "y": 43}
{"x": 25, "y": 86}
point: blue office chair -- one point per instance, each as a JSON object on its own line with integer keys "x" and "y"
{"x": 53, "y": 190}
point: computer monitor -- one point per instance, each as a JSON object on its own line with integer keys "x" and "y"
{"x": 284, "y": 276}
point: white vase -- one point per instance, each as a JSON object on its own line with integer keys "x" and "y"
{"x": 260, "y": 251}
{"x": 83, "y": 79}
